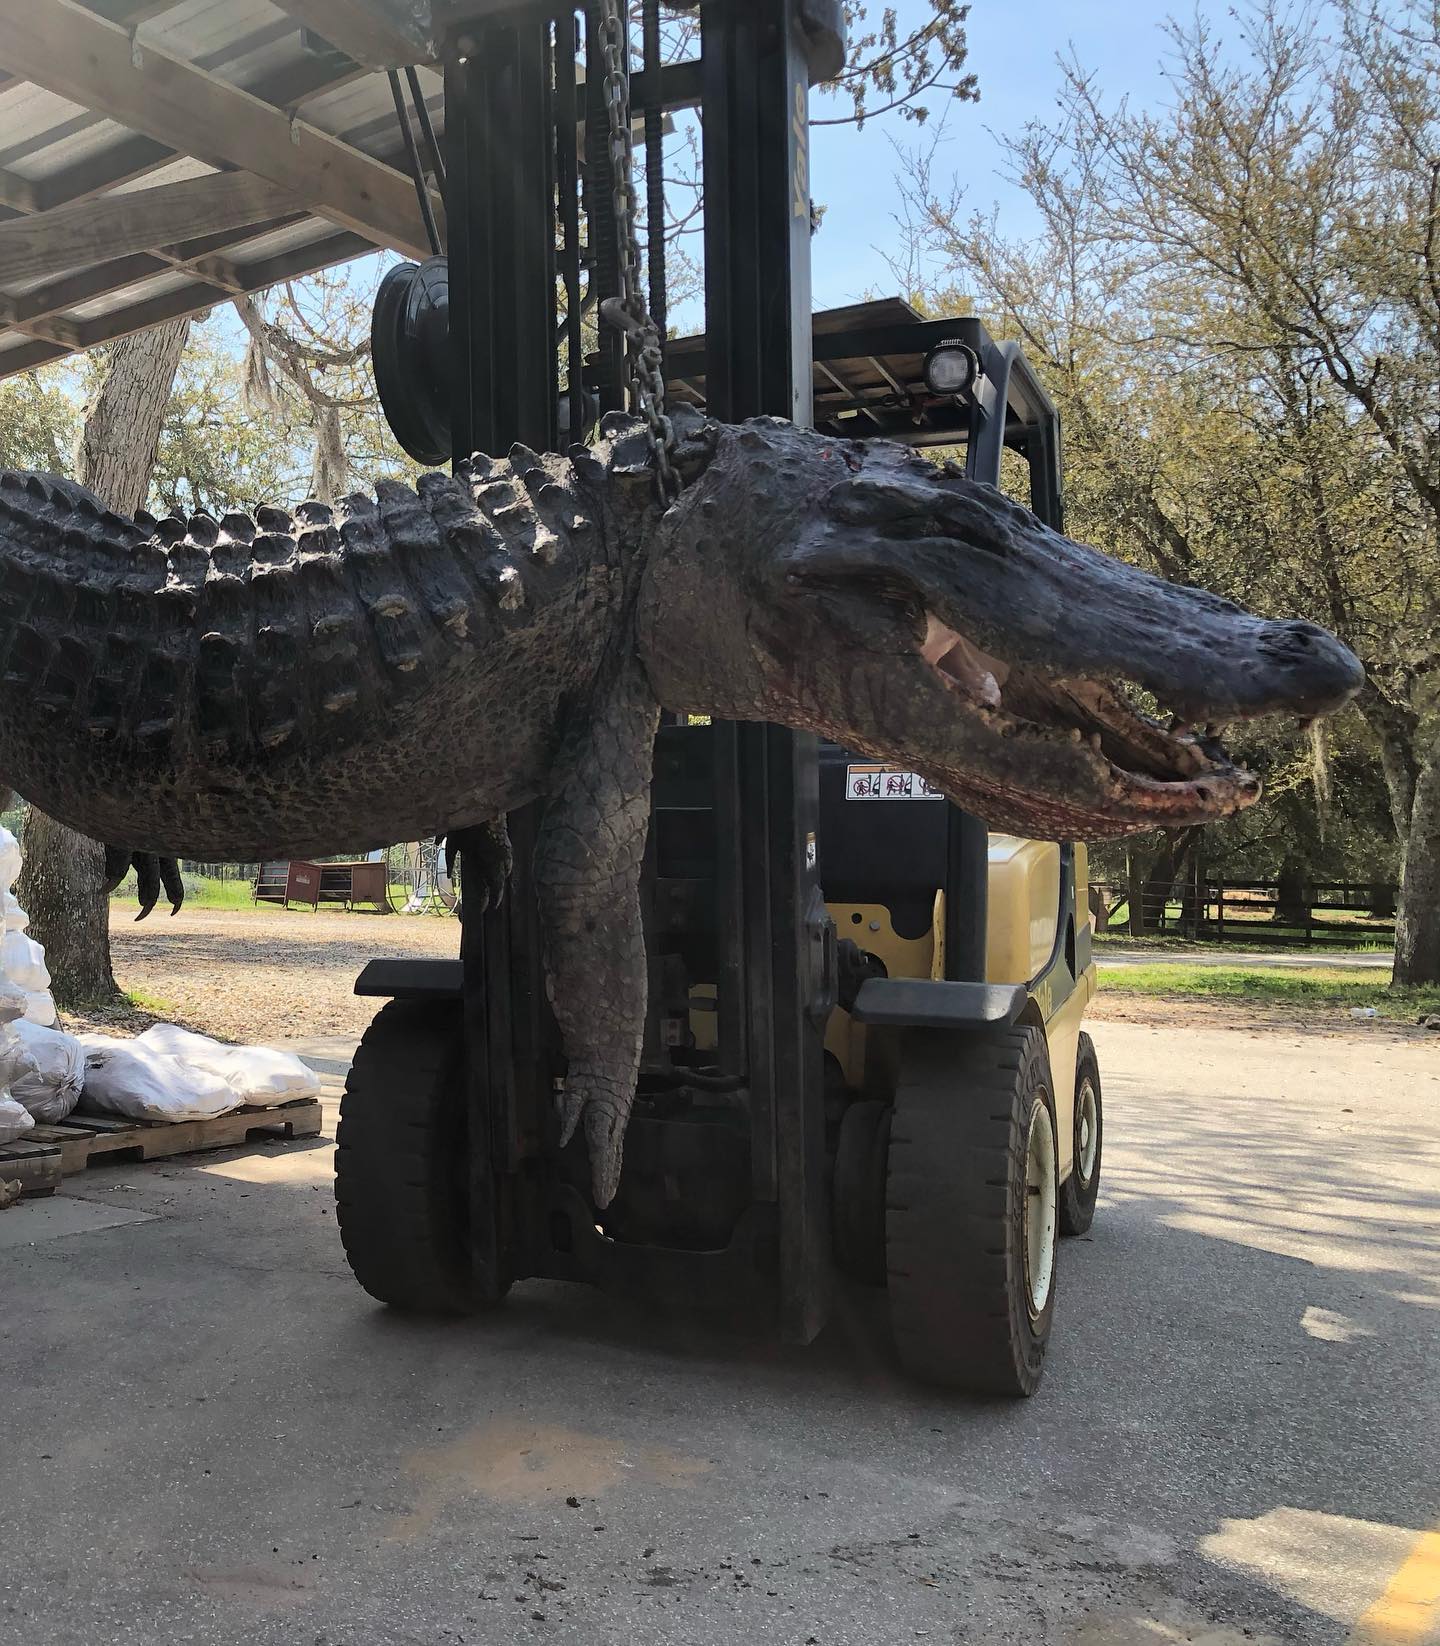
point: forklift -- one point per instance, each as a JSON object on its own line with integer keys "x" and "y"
{"x": 863, "y": 1055}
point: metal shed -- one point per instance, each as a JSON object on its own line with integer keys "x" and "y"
{"x": 160, "y": 156}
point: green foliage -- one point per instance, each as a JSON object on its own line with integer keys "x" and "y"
{"x": 1333, "y": 987}
{"x": 1235, "y": 301}
{"x": 39, "y": 420}
{"x": 215, "y": 454}
{"x": 899, "y": 70}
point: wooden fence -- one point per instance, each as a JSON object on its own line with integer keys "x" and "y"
{"x": 1254, "y": 914}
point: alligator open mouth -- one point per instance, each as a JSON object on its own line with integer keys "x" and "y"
{"x": 1093, "y": 720}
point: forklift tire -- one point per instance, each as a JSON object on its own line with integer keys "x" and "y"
{"x": 1080, "y": 1190}
{"x": 400, "y": 1162}
{"x": 972, "y": 1210}
{"x": 857, "y": 1215}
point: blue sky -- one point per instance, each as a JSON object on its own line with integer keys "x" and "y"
{"x": 1014, "y": 52}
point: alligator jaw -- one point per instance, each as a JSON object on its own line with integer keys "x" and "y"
{"x": 931, "y": 621}
{"x": 1148, "y": 769}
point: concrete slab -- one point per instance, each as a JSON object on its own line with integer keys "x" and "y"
{"x": 61, "y": 1214}
{"x": 1237, "y": 1440}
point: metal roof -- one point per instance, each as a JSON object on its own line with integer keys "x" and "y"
{"x": 158, "y": 157}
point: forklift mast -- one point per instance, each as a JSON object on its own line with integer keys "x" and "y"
{"x": 528, "y": 226}
{"x": 737, "y": 1142}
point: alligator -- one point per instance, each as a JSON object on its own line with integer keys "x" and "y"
{"x": 425, "y": 659}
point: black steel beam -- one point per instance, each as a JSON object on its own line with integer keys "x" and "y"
{"x": 755, "y": 75}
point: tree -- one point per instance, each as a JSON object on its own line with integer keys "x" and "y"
{"x": 62, "y": 881}
{"x": 1237, "y": 301}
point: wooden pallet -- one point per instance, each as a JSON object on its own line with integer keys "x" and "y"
{"x": 91, "y": 1139}
{"x": 36, "y": 1166}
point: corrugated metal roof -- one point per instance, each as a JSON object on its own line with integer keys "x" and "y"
{"x": 66, "y": 139}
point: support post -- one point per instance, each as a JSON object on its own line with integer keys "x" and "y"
{"x": 756, "y": 76}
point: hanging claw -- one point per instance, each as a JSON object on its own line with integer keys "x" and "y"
{"x": 147, "y": 881}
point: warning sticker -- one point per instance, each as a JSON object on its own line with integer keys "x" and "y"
{"x": 887, "y": 783}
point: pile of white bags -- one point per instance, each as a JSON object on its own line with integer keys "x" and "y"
{"x": 22, "y": 960}
{"x": 53, "y": 1090}
{"x": 167, "y": 1073}
{"x": 257, "y": 1075}
{"x": 24, "y": 993}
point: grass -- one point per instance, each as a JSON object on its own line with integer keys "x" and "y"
{"x": 146, "y": 1002}
{"x": 1326, "y": 987}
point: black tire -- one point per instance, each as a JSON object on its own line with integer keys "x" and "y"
{"x": 857, "y": 1219}
{"x": 956, "y": 1217}
{"x": 1079, "y": 1191}
{"x": 401, "y": 1161}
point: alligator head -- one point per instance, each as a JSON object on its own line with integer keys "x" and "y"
{"x": 906, "y": 612}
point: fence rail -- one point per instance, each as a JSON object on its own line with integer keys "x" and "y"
{"x": 1258, "y": 913}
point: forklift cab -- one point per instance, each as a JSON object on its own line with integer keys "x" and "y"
{"x": 849, "y": 1063}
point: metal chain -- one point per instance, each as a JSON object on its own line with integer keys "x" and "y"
{"x": 627, "y": 312}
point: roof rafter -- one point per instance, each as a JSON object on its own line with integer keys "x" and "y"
{"x": 191, "y": 298}
{"x": 371, "y": 31}
{"x": 34, "y": 248}
{"x": 60, "y": 45}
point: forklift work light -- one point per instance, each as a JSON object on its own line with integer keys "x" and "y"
{"x": 951, "y": 367}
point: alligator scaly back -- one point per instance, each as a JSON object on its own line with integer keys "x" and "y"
{"x": 250, "y": 686}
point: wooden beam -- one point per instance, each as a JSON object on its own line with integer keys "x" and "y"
{"x": 32, "y": 248}
{"x": 64, "y": 332}
{"x": 85, "y": 285}
{"x": 30, "y": 355}
{"x": 19, "y": 193}
{"x": 192, "y": 298}
{"x": 378, "y": 33}
{"x": 75, "y": 54}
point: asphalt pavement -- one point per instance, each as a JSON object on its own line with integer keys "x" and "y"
{"x": 209, "y": 1434}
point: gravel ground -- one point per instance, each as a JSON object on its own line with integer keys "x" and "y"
{"x": 264, "y": 974}
{"x": 261, "y": 974}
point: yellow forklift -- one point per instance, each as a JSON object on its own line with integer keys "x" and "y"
{"x": 863, "y": 1049}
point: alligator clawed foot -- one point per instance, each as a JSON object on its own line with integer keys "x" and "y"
{"x": 598, "y": 1099}
{"x": 488, "y": 861}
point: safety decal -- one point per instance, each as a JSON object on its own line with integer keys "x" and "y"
{"x": 887, "y": 783}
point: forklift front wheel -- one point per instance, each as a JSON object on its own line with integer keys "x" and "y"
{"x": 402, "y": 1160}
{"x": 1081, "y": 1189}
{"x": 972, "y": 1213}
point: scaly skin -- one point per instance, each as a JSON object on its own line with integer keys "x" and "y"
{"x": 424, "y": 661}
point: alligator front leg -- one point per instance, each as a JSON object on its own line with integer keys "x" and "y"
{"x": 587, "y": 872}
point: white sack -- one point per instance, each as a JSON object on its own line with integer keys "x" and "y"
{"x": 122, "y": 1077}
{"x": 53, "y": 1090}
{"x": 22, "y": 960}
{"x": 16, "y": 920}
{"x": 13, "y": 1001}
{"x": 40, "y": 1008}
{"x": 15, "y": 1118}
{"x": 15, "y": 1061}
{"x": 9, "y": 858}
{"x": 258, "y": 1075}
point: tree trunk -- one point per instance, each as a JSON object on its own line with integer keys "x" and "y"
{"x": 1292, "y": 907}
{"x": 1135, "y": 892}
{"x": 1099, "y": 908}
{"x": 1150, "y": 886}
{"x": 62, "y": 880}
{"x": 1417, "y": 925}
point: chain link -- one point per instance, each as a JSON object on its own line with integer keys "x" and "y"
{"x": 627, "y": 312}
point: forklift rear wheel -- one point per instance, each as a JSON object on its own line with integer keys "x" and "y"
{"x": 401, "y": 1162}
{"x": 973, "y": 1210}
{"x": 1081, "y": 1189}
